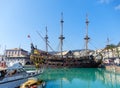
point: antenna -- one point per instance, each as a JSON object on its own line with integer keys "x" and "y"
{"x": 19, "y": 46}
{"x": 86, "y": 37}
{"x": 61, "y": 36}
{"x": 108, "y": 41}
{"x": 46, "y": 40}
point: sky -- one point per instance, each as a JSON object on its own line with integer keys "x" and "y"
{"x": 20, "y": 18}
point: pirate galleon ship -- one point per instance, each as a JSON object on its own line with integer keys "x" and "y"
{"x": 68, "y": 60}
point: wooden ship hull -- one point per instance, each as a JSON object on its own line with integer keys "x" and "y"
{"x": 83, "y": 62}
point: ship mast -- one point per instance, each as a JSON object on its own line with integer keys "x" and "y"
{"x": 86, "y": 37}
{"x": 61, "y": 36}
{"x": 46, "y": 40}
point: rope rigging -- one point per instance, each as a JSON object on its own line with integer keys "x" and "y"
{"x": 44, "y": 40}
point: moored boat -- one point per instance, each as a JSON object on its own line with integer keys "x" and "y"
{"x": 33, "y": 83}
{"x": 15, "y": 75}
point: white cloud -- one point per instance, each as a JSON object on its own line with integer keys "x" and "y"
{"x": 105, "y": 1}
{"x": 117, "y": 7}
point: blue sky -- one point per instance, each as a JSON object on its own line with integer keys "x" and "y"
{"x": 20, "y": 18}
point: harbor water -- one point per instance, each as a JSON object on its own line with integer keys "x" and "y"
{"x": 80, "y": 78}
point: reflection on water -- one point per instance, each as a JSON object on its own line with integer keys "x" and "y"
{"x": 80, "y": 78}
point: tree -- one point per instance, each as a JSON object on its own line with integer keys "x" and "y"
{"x": 110, "y": 47}
{"x": 117, "y": 49}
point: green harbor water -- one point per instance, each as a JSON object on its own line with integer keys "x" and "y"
{"x": 80, "y": 78}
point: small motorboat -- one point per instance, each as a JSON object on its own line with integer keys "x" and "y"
{"x": 15, "y": 75}
{"x": 33, "y": 83}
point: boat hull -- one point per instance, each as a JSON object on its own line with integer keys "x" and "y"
{"x": 13, "y": 83}
{"x": 73, "y": 63}
{"x": 16, "y": 82}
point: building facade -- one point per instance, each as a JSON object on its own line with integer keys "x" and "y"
{"x": 16, "y": 52}
{"x": 17, "y": 55}
{"x": 110, "y": 53}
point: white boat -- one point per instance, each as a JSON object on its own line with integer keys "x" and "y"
{"x": 15, "y": 75}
